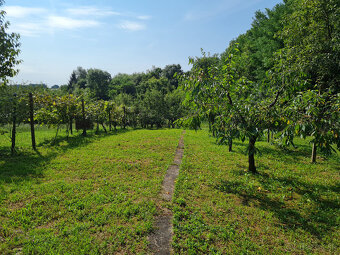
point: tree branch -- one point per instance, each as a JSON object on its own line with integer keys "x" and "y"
{"x": 276, "y": 99}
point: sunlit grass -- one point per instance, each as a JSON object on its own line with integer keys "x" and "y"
{"x": 291, "y": 207}
{"x": 93, "y": 195}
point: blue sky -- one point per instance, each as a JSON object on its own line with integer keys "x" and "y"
{"x": 121, "y": 36}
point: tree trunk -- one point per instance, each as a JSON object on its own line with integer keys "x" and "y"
{"x": 14, "y": 124}
{"x": 104, "y": 127}
{"x": 230, "y": 142}
{"x": 251, "y": 154}
{"x": 124, "y": 119}
{"x": 110, "y": 125}
{"x": 30, "y": 95}
{"x": 83, "y": 113}
{"x": 314, "y": 153}
{"x": 71, "y": 129}
{"x": 268, "y": 136}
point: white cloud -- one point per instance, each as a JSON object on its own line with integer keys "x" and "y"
{"x": 131, "y": 25}
{"x": 144, "y": 17}
{"x": 91, "y": 11}
{"x": 69, "y": 23}
{"x": 28, "y": 29}
{"x": 31, "y": 21}
{"x": 22, "y": 12}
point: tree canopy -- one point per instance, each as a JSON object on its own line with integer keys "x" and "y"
{"x": 9, "y": 49}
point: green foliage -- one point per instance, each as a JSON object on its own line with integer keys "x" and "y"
{"x": 122, "y": 83}
{"x": 312, "y": 53}
{"x": 152, "y": 109}
{"x": 98, "y": 82}
{"x": 240, "y": 108}
{"x": 9, "y": 49}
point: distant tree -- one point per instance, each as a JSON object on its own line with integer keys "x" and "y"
{"x": 123, "y": 99}
{"x": 72, "y": 82}
{"x": 55, "y": 87}
{"x": 153, "y": 109}
{"x": 98, "y": 81}
{"x": 169, "y": 72}
{"x": 154, "y": 72}
{"x": 122, "y": 83}
{"x": 161, "y": 84}
{"x": 9, "y": 49}
{"x": 174, "y": 108}
{"x": 80, "y": 73}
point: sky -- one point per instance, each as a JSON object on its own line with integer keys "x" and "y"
{"x": 121, "y": 36}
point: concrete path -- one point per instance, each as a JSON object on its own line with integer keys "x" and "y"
{"x": 160, "y": 239}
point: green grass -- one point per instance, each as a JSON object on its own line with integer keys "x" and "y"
{"x": 93, "y": 195}
{"x": 291, "y": 207}
{"x": 101, "y": 195}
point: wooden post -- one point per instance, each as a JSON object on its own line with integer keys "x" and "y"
{"x": 14, "y": 124}
{"x": 30, "y": 95}
{"x": 83, "y": 112}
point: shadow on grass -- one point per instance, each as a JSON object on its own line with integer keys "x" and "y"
{"x": 282, "y": 152}
{"x": 318, "y": 220}
{"x": 27, "y": 163}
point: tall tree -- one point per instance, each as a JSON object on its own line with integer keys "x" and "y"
{"x": 169, "y": 72}
{"x": 312, "y": 54}
{"x": 98, "y": 81}
{"x": 72, "y": 82}
{"x": 81, "y": 74}
{"x": 9, "y": 49}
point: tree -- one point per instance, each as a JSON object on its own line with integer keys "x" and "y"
{"x": 238, "y": 102}
{"x": 169, "y": 72}
{"x": 152, "y": 108}
{"x": 56, "y": 110}
{"x": 122, "y": 83}
{"x": 174, "y": 107}
{"x": 81, "y": 74}
{"x": 312, "y": 55}
{"x": 72, "y": 82}
{"x": 9, "y": 49}
{"x": 98, "y": 81}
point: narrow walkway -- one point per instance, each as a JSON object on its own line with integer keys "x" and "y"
{"x": 160, "y": 240}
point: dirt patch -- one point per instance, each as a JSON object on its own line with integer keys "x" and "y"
{"x": 160, "y": 239}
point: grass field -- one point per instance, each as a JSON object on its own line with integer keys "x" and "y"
{"x": 101, "y": 194}
{"x": 94, "y": 195}
{"x": 291, "y": 207}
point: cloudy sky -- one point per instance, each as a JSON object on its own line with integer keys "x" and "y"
{"x": 121, "y": 36}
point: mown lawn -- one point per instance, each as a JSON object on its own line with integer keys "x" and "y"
{"x": 93, "y": 195}
{"x": 291, "y": 207}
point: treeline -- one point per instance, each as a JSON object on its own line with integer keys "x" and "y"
{"x": 152, "y": 96}
{"x": 281, "y": 76}
{"x": 148, "y": 99}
